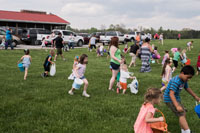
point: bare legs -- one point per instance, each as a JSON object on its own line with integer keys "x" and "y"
{"x": 112, "y": 80}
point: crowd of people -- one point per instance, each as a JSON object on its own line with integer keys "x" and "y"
{"x": 171, "y": 86}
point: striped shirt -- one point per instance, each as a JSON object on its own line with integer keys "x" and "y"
{"x": 176, "y": 85}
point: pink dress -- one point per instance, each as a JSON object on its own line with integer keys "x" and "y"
{"x": 140, "y": 125}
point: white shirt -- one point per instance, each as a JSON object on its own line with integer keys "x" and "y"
{"x": 101, "y": 48}
{"x": 93, "y": 41}
{"x": 124, "y": 76}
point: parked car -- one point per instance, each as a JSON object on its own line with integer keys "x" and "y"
{"x": 44, "y": 34}
{"x": 16, "y": 40}
{"x": 130, "y": 37}
{"x": 66, "y": 35}
{"x": 33, "y": 35}
{"x": 108, "y": 35}
{"x": 86, "y": 37}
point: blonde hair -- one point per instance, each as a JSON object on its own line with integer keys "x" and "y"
{"x": 152, "y": 93}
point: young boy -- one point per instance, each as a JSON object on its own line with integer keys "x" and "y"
{"x": 177, "y": 55}
{"x": 47, "y": 64}
{"x": 172, "y": 98}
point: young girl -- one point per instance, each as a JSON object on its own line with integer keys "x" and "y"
{"x": 165, "y": 57}
{"x": 43, "y": 42}
{"x": 47, "y": 63}
{"x": 166, "y": 73}
{"x": 76, "y": 59}
{"x": 26, "y": 61}
{"x": 101, "y": 49}
{"x": 156, "y": 55}
{"x": 124, "y": 75}
{"x": 98, "y": 51}
{"x": 146, "y": 114}
{"x": 3, "y": 42}
{"x": 79, "y": 73}
{"x": 125, "y": 48}
{"x": 198, "y": 64}
{"x": 189, "y": 45}
{"x": 184, "y": 57}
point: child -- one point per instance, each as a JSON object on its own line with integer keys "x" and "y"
{"x": 166, "y": 73}
{"x": 172, "y": 95}
{"x": 177, "y": 55}
{"x": 198, "y": 64}
{"x": 124, "y": 75}
{"x": 156, "y": 55}
{"x": 26, "y": 61}
{"x": 47, "y": 64}
{"x": 79, "y": 73}
{"x": 165, "y": 57}
{"x": 147, "y": 111}
{"x": 3, "y": 42}
{"x": 43, "y": 42}
{"x": 76, "y": 59}
{"x": 125, "y": 48}
{"x": 174, "y": 50}
{"x": 184, "y": 57}
{"x": 101, "y": 49}
{"x": 118, "y": 75}
{"x": 189, "y": 45}
{"x": 98, "y": 51}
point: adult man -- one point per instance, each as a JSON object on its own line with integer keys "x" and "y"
{"x": 9, "y": 38}
{"x": 134, "y": 49}
{"x": 58, "y": 41}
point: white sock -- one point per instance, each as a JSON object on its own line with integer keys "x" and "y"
{"x": 187, "y": 131}
{"x": 182, "y": 131}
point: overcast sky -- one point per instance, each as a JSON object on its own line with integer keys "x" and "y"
{"x": 172, "y": 14}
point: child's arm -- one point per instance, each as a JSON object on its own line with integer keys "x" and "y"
{"x": 49, "y": 59}
{"x": 193, "y": 94}
{"x": 20, "y": 59}
{"x": 76, "y": 73}
{"x": 149, "y": 118}
{"x": 174, "y": 101}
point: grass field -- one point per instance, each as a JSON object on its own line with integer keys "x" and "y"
{"x": 43, "y": 105}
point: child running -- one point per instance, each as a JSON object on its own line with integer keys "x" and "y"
{"x": 124, "y": 75}
{"x": 172, "y": 95}
{"x": 156, "y": 55}
{"x": 146, "y": 115}
{"x": 26, "y": 61}
{"x": 166, "y": 73}
{"x": 177, "y": 55}
{"x": 79, "y": 73}
{"x": 3, "y": 42}
{"x": 47, "y": 63}
{"x": 198, "y": 64}
{"x": 165, "y": 57}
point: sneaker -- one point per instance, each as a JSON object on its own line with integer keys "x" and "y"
{"x": 70, "y": 92}
{"x": 64, "y": 59}
{"x": 54, "y": 60}
{"x": 85, "y": 94}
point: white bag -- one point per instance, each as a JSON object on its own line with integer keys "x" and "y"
{"x": 53, "y": 69}
{"x": 134, "y": 86}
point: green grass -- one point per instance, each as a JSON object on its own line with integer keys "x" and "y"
{"x": 43, "y": 105}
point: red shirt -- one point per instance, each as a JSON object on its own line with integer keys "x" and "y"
{"x": 198, "y": 61}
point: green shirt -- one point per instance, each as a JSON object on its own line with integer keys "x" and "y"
{"x": 117, "y": 55}
{"x": 176, "y": 56}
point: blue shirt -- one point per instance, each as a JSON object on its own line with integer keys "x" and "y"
{"x": 8, "y": 35}
{"x": 176, "y": 85}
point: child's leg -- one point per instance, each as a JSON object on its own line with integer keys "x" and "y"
{"x": 85, "y": 84}
{"x": 55, "y": 57}
{"x": 26, "y": 73}
{"x": 124, "y": 91}
{"x": 70, "y": 92}
{"x": 183, "y": 122}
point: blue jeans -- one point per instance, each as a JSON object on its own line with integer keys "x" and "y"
{"x": 8, "y": 42}
{"x": 71, "y": 44}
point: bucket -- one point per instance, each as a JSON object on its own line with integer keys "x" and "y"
{"x": 77, "y": 83}
{"x": 188, "y": 62}
{"x": 21, "y": 67}
{"x": 197, "y": 109}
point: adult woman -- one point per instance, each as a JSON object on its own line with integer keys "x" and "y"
{"x": 115, "y": 54}
{"x": 146, "y": 51}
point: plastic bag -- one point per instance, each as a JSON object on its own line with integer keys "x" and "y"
{"x": 53, "y": 69}
{"x": 134, "y": 86}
